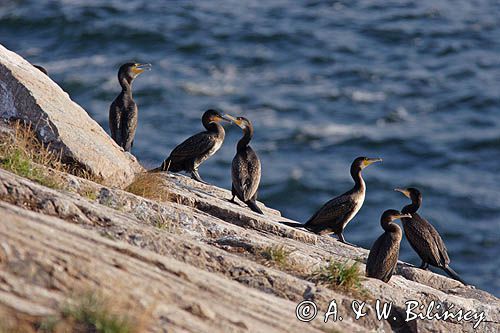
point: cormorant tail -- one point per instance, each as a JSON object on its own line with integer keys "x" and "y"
{"x": 163, "y": 167}
{"x": 253, "y": 206}
{"x": 453, "y": 274}
{"x": 293, "y": 224}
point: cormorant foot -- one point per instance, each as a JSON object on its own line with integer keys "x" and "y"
{"x": 196, "y": 176}
{"x": 342, "y": 240}
{"x": 201, "y": 181}
{"x": 424, "y": 266}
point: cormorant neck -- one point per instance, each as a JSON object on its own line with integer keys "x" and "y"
{"x": 413, "y": 207}
{"x": 359, "y": 183}
{"x": 126, "y": 84}
{"x": 245, "y": 140}
{"x": 214, "y": 127}
{"x": 389, "y": 225}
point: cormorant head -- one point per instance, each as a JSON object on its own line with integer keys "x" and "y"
{"x": 242, "y": 122}
{"x": 131, "y": 70}
{"x": 392, "y": 214}
{"x": 213, "y": 116}
{"x": 362, "y": 162}
{"x": 42, "y": 69}
{"x": 412, "y": 193}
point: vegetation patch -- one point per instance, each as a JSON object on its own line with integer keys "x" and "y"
{"x": 89, "y": 193}
{"x": 277, "y": 255}
{"x": 92, "y": 313}
{"x": 338, "y": 275}
{"x": 163, "y": 223}
{"x": 149, "y": 185}
{"x": 27, "y": 157}
{"x": 86, "y": 313}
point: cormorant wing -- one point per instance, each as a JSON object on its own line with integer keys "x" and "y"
{"x": 193, "y": 146}
{"x": 383, "y": 257}
{"x": 114, "y": 121}
{"x": 246, "y": 173}
{"x": 129, "y": 126}
{"x": 334, "y": 211}
{"x": 429, "y": 242}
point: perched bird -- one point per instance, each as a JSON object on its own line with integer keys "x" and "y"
{"x": 42, "y": 69}
{"x": 195, "y": 150}
{"x": 336, "y": 213}
{"x": 246, "y": 168}
{"x": 123, "y": 111}
{"x": 384, "y": 253}
{"x": 423, "y": 237}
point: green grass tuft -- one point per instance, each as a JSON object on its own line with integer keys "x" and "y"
{"x": 25, "y": 156}
{"x": 339, "y": 275}
{"x": 163, "y": 223}
{"x": 91, "y": 314}
{"x": 89, "y": 194}
{"x": 49, "y": 324}
{"x": 16, "y": 161}
{"x": 277, "y": 254}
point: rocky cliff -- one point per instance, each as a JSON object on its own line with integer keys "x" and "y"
{"x": 174, "y": 254}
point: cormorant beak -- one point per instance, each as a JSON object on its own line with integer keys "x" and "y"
{"x": 139, "y": 68}
{"x": 235, "y": 121}
{"x": 404, "y": 191}
{"x": 223, "y": 117}
{"x": 403, "y": 216}
{"x": 369, "y": 161}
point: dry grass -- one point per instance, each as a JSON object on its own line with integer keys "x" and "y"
{"x": 163, "y": 223}
{"x": 149, "y": 185}
{"x": 338, "y": 275}
{"x": 25, "y": 156}
{"x": 88, "y": 193}
{"x": 83, "y": 173}
{"x": 92, "y": 312}
{"x": 85, "y": 313}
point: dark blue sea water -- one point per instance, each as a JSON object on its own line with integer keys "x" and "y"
{"x": 414, "y": 82}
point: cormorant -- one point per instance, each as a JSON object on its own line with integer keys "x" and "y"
{"x": 42, "y": 69}
{"x": 336, "y": 213}
{"x": 423, "y": 237}
{"x": 246, "y": 168}
{"x": 123, "y": 111}
{"x": 384, "y": 253}
{"x": 195, "y": 150}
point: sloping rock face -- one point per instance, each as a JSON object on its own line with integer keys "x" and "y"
{"x": 28, "y": 94}
{"x": 173, "y": 247}
{"x": 190, "y": 257}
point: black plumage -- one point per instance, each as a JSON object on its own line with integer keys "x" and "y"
{"x": 423, "y": 237}
{"x": 41, "y": 69}
{"x": 384, "y": 253}
{"x": 246, "y": 168}
{"x": 191, "y": 153}
{"x": 333, "y": 216}
{"x": 123, "y": 112}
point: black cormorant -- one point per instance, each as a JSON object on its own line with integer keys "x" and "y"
{"x": 423, "y": 237}
{"x": 384, "y": 253}
{"x": 336, "y": 213}
{"x": 123, "y": 110}
{"x": 195, "y": 150}
{"x": 41, "y": 69}
{"x": 246, "y": 168}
